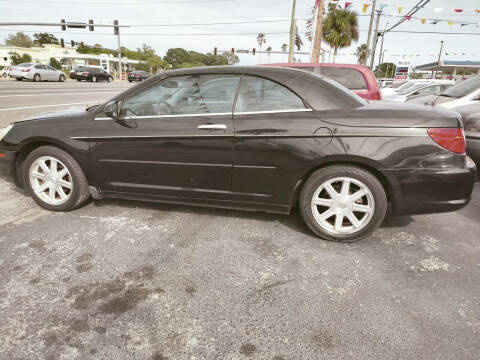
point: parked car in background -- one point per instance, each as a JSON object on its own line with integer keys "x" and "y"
{"x": 357, "y": 78}
{"x": 5, "y": 72}
{"x": 258, "y": 138}
{"x": 93, "y": 74}
{"x": 75, "y": 70}
{"x": 138, "y": 75}
{"x": 36, "y": 72}
{"x": 471, "y": 123}
{"x": 403, "y": 85}
{"x": 419, "y": 89}
{"x": 463, "y": 93}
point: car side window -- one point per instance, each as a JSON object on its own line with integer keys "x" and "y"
{"x": 184, "y": 95}
{"x": 38, "y": 66}
{"x": 258, "y": 94}
{"x": 350, "y": 78}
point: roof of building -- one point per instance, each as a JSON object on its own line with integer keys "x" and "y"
{"x": 450, "y": 65}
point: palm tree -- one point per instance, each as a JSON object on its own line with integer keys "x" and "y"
{"x": 269, "y": 49}
{"x": 340, "y": 28}
{"x": 260, "y": 40}
{"x": 284, "y": 47}
{"x": 361, "y": 54}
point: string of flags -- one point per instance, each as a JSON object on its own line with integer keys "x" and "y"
{"x": 409, "y": 55}
{"x": 396, "y": 11}
{"x": 363, "y": 7}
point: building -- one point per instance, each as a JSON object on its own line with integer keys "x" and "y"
{"x": 67, "y": 56}
{"x": 453, "y": 67}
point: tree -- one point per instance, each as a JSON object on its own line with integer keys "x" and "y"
{"x": 385, "y": 70}
{"x": 284, "y": 47}
{"x": 16, "y": 59}
{"x": 177, "y": 56}
{"x": 260, "y": 41}
{"x": 20, "y": 40}
{"x": 361, "y": 54}
{"x": 269, "y": 50}
{"x": 340, "y": 28}
{"x": 232, "y": 59}
{"x": 44, "y": 38}
{"x": 55, "y": 63}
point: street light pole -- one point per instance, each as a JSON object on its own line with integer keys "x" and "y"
{"x": 317, "y": 39}
{"x": 381, "y": 47}
{"x": 438, "y": 62}
{"x": 372, "y": 15}
{"x": 292, "y": 33}
{"x": 375, "y": 39}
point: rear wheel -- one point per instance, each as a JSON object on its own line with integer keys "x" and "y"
{"x": 79, "y": 79}
{"x": 61, "y": 78}
{"x": 37, "y": 77}
{"x": 94, "y": 79}
{"x": 19, "y": 79}
{"x": 343, "y": 203}
{"x": 110, "y": 79}
{"x": 54, "y": 179}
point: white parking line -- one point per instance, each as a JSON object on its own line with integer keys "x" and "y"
{"x": 52, "y": 105}
{"x": 62, "y": 93}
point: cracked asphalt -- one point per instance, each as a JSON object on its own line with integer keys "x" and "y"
{"x": 131, "y": 280}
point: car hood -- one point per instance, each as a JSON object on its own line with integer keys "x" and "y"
{"x": 70, "y": 113}
{"x": 395, "y": 115}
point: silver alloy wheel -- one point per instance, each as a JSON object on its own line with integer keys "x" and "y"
{"x": 51, "y": 180}
{"x": 110, "y": 79}
{"x": 343, "y": 205}
{"x": 94, "y": 79}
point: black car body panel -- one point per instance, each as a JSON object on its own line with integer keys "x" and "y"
{"x": 259, "y": 160}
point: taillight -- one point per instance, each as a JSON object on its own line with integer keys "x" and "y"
{"x": 25, "y": 70}
{"x": 452, "y": 139}
{"x": 85, "y": 73}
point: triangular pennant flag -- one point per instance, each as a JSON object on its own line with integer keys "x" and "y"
{"x": 446, "y": 54}
{"x": 408, "y": 17}
{"x": 400, "y": 8}
{"x": 423, "y": 21}
{"x": 450, "y": 23}
{"x": 477, "y": 11}
{"x": 365, "y": 7}
{"x": 458, "y": 10}
{"x": 463, "y": 24}
{"x": 381, "y": 7}
{"x": 435, "y": 21}
{"x": 437, "y": 10}
{"x": 347, "y": 5}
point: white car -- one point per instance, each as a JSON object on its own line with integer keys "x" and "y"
{"x": 36, "y": 72}
{"x": 464, "y": 93}
{"x": 419, "y": 89}
{"x": 401, "y": 86}
{"x": 5, "y": 71}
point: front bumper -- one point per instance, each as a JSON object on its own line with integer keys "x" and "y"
{"x": 473, "y": 149}
{"x": 8, "y": 167}
{"x": 422, "y": 191}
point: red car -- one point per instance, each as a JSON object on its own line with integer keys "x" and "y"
{"x": 358, "y": 78}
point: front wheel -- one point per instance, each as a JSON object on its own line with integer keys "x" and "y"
{"x": 79, "y": 79}
{"x": 61, "y": 78}
{"x": 343, "y": 203}
{"x": 54, "y": 179}
{"x": 94, "y": 79}
{"x": 37, "y": 77}
{"x": 110, "y": 79}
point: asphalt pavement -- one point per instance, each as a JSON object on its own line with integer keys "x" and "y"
{"x": 131, "y": 280}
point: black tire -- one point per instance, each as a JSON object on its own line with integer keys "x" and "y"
{"x": 79, "y": 193}
{"x": 94, "y": 79}
{"x": 19, "y": 79}
{"x": 322, "y": 175}
{"x": 79, "y": 79}
{"x": 110, "y": 79}
{"x": 37, "y": 77}
{"x": 129, "y": 81}
{"x": 61, "y": 78}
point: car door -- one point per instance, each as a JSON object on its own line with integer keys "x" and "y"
{"x": 271, "y": 121}
{"x": 173, "y": 139}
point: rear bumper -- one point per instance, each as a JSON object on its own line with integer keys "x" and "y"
{"x": 421, "y": 191}
{"x": 8, "y": 169}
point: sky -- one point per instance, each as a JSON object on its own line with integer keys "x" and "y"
{"x": 271, "y": 17}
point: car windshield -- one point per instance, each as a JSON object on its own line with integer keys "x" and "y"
{"x": 410, "y": 89}
{"x": 405, "y": 86}
{"x": 464, "y": 88}
{"x": 397, "y": 85}
{"x": 25, "y": 65}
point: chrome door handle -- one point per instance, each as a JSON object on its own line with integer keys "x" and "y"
{"x": 212, "y": 126}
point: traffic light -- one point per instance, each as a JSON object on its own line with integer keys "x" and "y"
{"x": 253, "y": 51}
{"x": 81, "y": 44}
{"x": 215, "y": 51}
{"x": 233, "y": 51}
{"x": 72, "y": 43}
{"x": 64, "y": 27}
{"x": 90, "y": 25}
{"x": 62, "y": 42}
{"x": 115, "y": 29}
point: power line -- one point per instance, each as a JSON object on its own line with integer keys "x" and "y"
{"x": 118, "y": 2}
{"x": 413, "y": 11}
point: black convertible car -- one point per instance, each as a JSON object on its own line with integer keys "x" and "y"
{"x": 256, "y": 138}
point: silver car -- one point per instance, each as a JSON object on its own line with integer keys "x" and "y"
{"x": 36, "y": 72}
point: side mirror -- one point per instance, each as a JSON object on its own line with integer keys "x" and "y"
{"x": 111, "y": 110}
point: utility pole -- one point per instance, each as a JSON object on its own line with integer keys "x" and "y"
{"x": 375, "y": 39}
{"x": 381, "y": 47}
{"x": 317, "y": 39}
{"x": 292, "y": 33}
{"x": 438, "y": 62}
{"x": 372, "y": 15}
{"x": 117, "y": 32}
